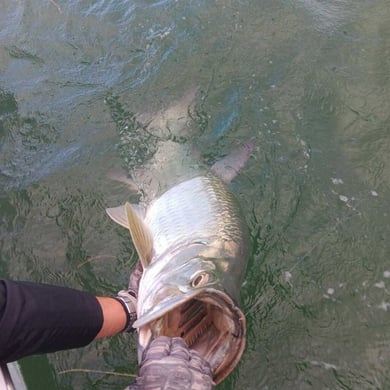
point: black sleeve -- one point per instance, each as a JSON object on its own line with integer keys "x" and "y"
{"x": 39, "y": 318}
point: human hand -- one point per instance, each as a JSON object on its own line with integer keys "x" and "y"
{"x": 169, "y": 364}
{"x": 128, "y": 298}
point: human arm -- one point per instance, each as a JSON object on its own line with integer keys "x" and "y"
{"x": 40, "y": 318}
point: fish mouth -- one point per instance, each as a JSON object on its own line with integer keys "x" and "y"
{"x": 209, "y": 322}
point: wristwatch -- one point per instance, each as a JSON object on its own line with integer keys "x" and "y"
{"x": 129, "y": 303}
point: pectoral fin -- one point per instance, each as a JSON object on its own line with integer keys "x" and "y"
{"x": 131, "y": 217}
{"x": 140, "y": 235}
{"x": 118, "y": 214}
{"x": 228, "y": 168}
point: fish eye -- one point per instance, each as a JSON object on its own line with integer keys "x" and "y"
{"x": 200, "y": 279}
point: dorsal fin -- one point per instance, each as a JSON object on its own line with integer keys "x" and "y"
{"x": 140, "y": 235}
{"x": 228, "y": 167}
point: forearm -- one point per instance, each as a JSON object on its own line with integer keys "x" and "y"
{"x": 114, "y": 317}
{"x": 38, "y": 318}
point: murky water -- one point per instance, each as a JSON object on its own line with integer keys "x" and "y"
{"x": 308, "y": 80}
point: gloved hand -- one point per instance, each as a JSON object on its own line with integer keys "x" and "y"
{"x": 169, "y": 364}
{"x": 128, "y": 298}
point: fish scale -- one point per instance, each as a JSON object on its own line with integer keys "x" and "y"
{"x": 183, "y": 214}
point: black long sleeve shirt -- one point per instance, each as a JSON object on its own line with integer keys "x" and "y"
{"x": 40, "y": 318}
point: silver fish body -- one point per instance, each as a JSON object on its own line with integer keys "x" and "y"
{"x": 190, "y": 286}
{"x": 192, "y": 242}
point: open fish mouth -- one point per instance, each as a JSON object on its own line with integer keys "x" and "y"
{"x": 210, "y": 323}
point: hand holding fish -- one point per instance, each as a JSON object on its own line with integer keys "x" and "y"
{"x": 169, "y": 364}
{"x": 128, "y": 298}
{"x": 165, "y": 361}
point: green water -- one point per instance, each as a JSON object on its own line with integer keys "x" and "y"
{"x": 309, "y": 81}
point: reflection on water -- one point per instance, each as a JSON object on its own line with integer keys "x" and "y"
{"x": 308, "y": 80}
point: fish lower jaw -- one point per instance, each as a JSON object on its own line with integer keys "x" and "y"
{"x": 210, "y": 324}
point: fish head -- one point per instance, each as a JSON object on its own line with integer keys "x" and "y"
{"x": 183, "y": 295}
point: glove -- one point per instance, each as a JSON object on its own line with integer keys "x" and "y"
{"x": 128, "y": 298}
{"x": 169, "y": 364}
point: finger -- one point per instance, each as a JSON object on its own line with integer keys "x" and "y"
{"x": 158, "y": 349}
{"x": 179, "y": 349}
{"x": 199, "y": 364}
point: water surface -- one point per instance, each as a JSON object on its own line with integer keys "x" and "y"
{"x": 308, "y": 80}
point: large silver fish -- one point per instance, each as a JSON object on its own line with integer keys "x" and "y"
{"x": 193, "y": 245}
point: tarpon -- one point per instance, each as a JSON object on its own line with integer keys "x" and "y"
{"x": 192, "y": 241}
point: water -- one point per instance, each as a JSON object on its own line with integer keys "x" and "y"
{"x": 308, "y": 80}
